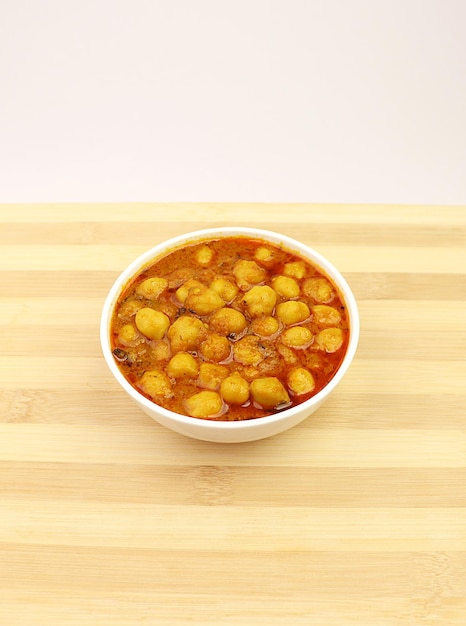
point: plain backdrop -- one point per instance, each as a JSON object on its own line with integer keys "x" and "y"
{"x": 241, "y": 100}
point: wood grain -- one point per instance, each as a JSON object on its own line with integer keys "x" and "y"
{"x": 357, "y": 516}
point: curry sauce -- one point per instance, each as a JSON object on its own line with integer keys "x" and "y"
{"x": 229, "y": 329}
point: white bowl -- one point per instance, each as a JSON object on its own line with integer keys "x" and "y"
{"x": 238, "y": 431}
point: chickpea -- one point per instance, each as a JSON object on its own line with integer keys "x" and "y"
{"x": 204, "y": 256}
{"x": 319, "y": 289}
{"x": 183, "y": 365}
{"x": 156, "y": 384}
{"x": 295, "y": 269}
{"x": 330, "y": 339}
{"x": 260, "y": 301}
{"x": 186, "y": 333}
{"x": 151, "y": 288}
{"x": 215, "y": 348}
{"x": 264, "y": 255}
{"x": 300, "y": 381}
{"x": 225, "y": 288}
{"x": 247, "y": 351}
{"x": 265, "y": 326}
{"x": 234, "y": 389}
{"x": 298, "y": 337}
{"x": 269, "y": 392}
{"x": 202, "y": 301}
{"x": 204, "y": 404}
{"x": 211, "y": 375}
{"x": 182, "y": 292}
{"x": 128, "y": 335}
{"x": 152, "y": 324}
{"x": 248, "y": 273}
{"x": 292, "y": 312}
{"x": 325, "y": 315}
{"x": 227, "y": 321}
{"x": 285, "y": 286}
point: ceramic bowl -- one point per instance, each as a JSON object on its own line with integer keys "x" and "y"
{"x": 224, "y": 431}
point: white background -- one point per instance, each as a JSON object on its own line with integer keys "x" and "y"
{"x": 241, "y": 100}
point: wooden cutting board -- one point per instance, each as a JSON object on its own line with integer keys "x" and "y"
{"x": 355, "y": 517}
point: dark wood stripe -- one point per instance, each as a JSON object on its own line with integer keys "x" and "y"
{"x": 355, "y": 411}
{"x": 407, "y": 286}
{"x": 56, "y": 284}
{"x": 83, "y": 340}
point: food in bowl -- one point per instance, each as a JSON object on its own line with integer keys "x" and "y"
{"x": 229, "y": 328}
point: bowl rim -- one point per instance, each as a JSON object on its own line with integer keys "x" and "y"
{"x": 165, "y": 247}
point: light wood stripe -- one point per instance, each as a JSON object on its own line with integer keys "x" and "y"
{"x": 214, "y": 485}
{"x": 401, "y": 375}
{"x": 151, "y": 443}
{"x": 424, "y": 314}
{"x": 347, "y": 258}
{"x": 411, "y": 573}
{"x": 257, "y": 529}
{"x": 416, "y": 583}
{"x": 75, "y": 608}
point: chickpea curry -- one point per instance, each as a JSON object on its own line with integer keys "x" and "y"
{"x": 229, "y": 329}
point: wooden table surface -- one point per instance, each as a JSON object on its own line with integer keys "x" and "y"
{"x": 356, "y": 517}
